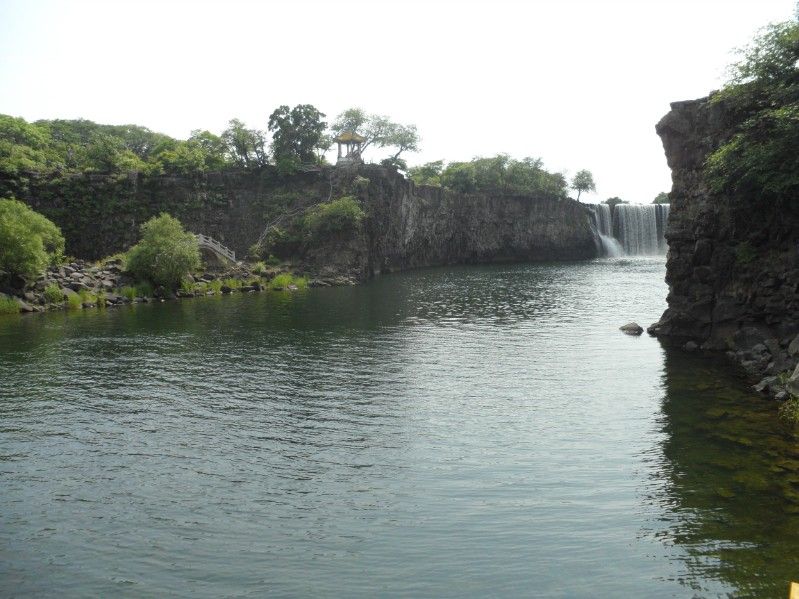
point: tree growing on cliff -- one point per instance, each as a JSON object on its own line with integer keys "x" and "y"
{"x": 378, "y": 131}
{"x": 760, "y": 157}
{"x": 583, "y": 181}
{"x": 29, "y": 242}
{"x": 613, "y": 202}
{"x": 661, "y": 198}
{"x": 296, "y": 133}
{"x": 165, "y": 254}
{"x": 246, "y": 147}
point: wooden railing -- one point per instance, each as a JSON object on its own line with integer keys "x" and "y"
{"x": 216, "y": 247}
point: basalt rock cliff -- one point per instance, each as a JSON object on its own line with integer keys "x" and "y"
{"x": 405, "y": 226}
{"x": 733, "y": 260}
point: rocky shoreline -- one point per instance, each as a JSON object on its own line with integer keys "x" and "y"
{"x": 81, "y": 285}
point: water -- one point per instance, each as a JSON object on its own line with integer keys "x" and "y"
{"x": 640, "y": 228}
{"x": 464, "y": 432}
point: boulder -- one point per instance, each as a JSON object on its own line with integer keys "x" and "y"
{"x": 632, "y": 328}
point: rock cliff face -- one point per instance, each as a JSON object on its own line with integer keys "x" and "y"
{"x": 733, "y": 261}
{"x": 405, "y": 226}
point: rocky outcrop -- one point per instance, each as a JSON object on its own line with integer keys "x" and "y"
{"x": 405, "y": 226}
{"x": 733, "y": 261}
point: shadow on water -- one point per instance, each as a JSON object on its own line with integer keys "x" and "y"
{"x": 732, "y": 496}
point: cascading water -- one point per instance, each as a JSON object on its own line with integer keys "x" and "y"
{"x": 640, "y": 228}
{"x": 603, "y": 226}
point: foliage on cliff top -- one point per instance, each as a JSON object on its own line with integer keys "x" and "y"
{"x": 165, "y": 254}
{"x": 377, "y": 130}
{"x": 28, "y": 240}
{"x": 498, "y": 174}
{"x": 761, "y": 157}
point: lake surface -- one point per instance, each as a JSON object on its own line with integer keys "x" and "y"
{"x": 463, "y": 432}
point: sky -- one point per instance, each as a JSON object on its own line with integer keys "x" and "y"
{"x": 577, "y": 83}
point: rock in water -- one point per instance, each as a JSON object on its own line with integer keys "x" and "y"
{"x": 632, "y": 328}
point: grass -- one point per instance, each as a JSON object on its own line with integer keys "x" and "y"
{"x": 8, "y": 305}
{"x": 74, "y": 302}
{"x": 284, "y": 280}
{"x": 53, "y": 294}
{"x": 789, "y": 410}
{"x": 259, "y": 268}
{"x": 87, "y": 297}
{"x": 187, "y": 286}
{"x": 215, "y": 285}
{"x": 128, "y": 292}
{"x": 144, "y": 290}
{"x": 232, "y": 283}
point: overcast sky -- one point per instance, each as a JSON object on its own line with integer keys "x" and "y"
{"x": 579, "y": 84}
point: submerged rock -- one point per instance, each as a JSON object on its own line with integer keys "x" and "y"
{"x": 632, "y": 328}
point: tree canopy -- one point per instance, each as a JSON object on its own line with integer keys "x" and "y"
{"x": 296, "y": 133}
{"x": 583, "y": 181}
{"x": 165, "y": 254}
{"x": 661, "y": 198}
{"x": 28, "y": 240}
{"x": 760, "y": 156}
{"x": 378, "y": 131}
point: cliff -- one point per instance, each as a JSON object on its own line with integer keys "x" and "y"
{"x": 733, "y": 261}
{"x": 406, "y": 226}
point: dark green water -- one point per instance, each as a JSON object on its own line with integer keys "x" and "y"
{"x": 481, "y": 431}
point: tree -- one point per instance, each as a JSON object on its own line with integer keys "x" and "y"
{"x": 296, "y": 132}
{"x": 427, "y": 174}
{"x": 245, "y": 147}
{"x": 28, "y": 240}
{"x": 165, "y": 254}
{"x": 661, "y": 198}
{"x": 613, "y": 202}
{"x": 377, "y": 130}
{"x": 583, "y": 181}
{"x": 759, "y": 158}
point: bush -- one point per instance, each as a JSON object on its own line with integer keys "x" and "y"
{"x": 284, "y": 280}
{"x": 8, "y": 305}
{"x": 128, "y": 292}
{"x": 28, "y": 240}
{"x": 165, "y": 254}
{"x": 343, "y": 214}
{"x": 53, "y": 294}
{"x": 789, "y": 410}
{"x": 74, "y": 302}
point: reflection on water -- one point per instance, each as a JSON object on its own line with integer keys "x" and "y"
{"x": 481, "y": 431}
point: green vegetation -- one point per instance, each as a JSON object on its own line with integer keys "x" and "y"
{"x": 28, "y": 240}
{"x": 378, "y": 131}
{"x": 53, "y": 294}
{"x": 498, "y": 174}
{"x": 285, "y": 281}
{"x": 8, "y": 305}
{"x": 343, "y": 214}
{"x": 745, "y": 253}
{"x": 74, "y": 302}
{"x": 215, "y": 286}
{"x": 583, "y": 181}
{"x": 165, "y": 254}
{"x": 760, "y": 157}
{"x": 661, "y": 198}
{"x": 297, "y": 135}
{"x": 789, "y": 410}
{"x": 128, "y": 292}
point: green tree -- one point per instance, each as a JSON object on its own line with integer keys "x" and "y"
{"x": 246, "y": 147}
{"x": 583, "y": 181}
{"x": 760, "y": 157}
{"x": 460, "y": 176}
{"x": 296, "y": 132}
{"x": 661, "y": 198}
{"x": 28, "y": 240}
{"x": 378, "y": 130}
{"x": 165, "y": 254}
{"x": 427, "y": 174}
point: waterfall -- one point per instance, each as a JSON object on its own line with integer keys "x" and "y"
{"x": 641, "y": 228}
{"x": 603, "y": 227}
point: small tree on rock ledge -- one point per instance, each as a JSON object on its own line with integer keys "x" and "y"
{"x": 583, "y": 181}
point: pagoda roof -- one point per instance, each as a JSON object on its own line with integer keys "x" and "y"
{"x": 349, "y": 136}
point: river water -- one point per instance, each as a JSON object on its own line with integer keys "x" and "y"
{"x": 460, "y": 432}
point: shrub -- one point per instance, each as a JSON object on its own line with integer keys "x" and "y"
{"x": 259, "y": 268}
{"x": 215, "y": 285}
{"x": 186, "y": 286}
{"x": 28, "y": 240}
{"x": 8, "y": 305}
{"x": 144, "y": 290}
{"x": 343, "y": 214}
{"x": 53, "y": 294}
{"x": 165, "y": 254}
{"x": 87, "y": 296}
{"x": 273, "y": 260}
{"x": 789, "y": 410}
